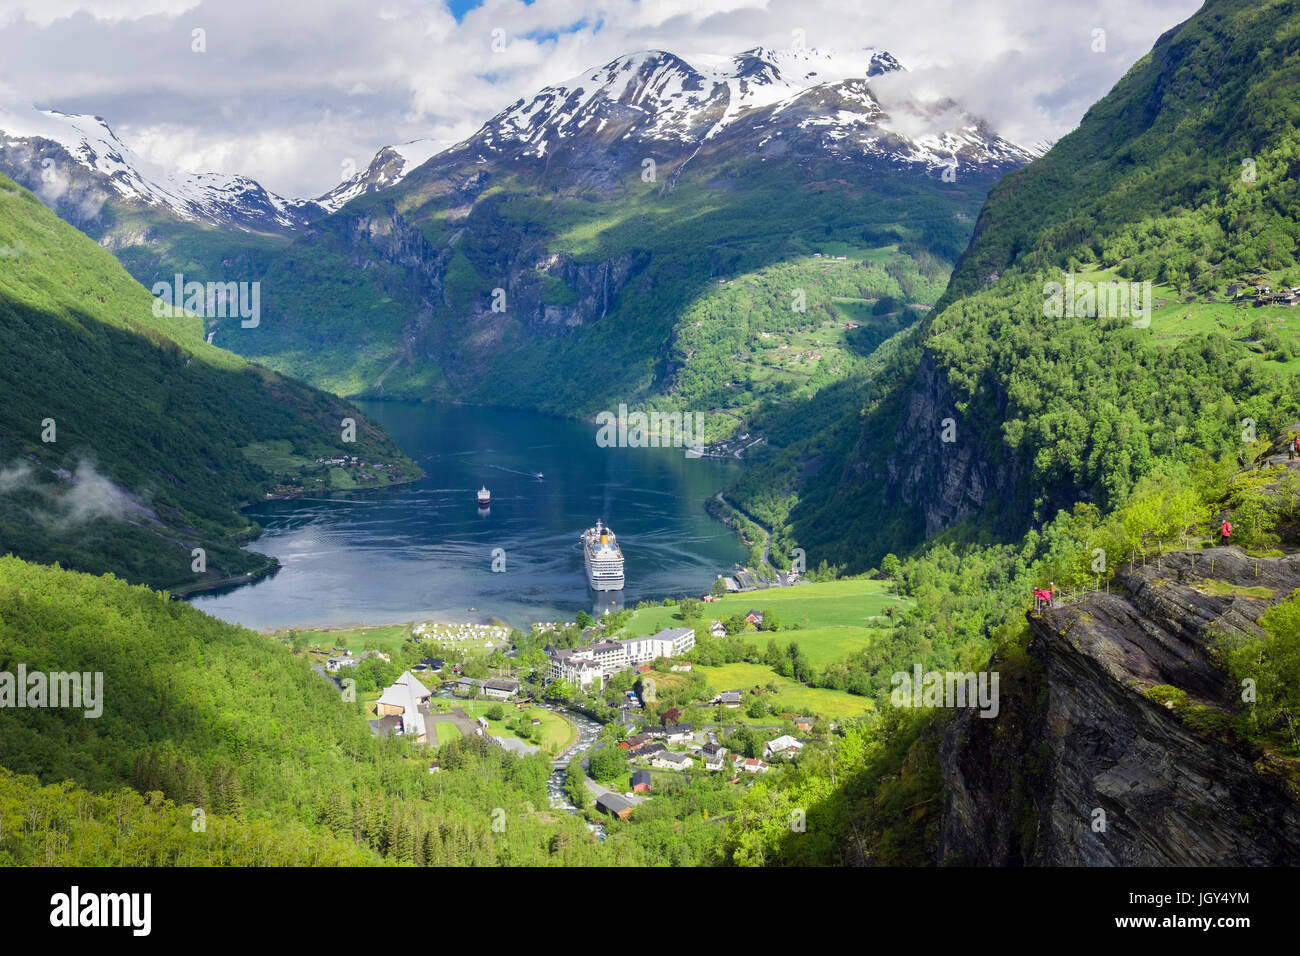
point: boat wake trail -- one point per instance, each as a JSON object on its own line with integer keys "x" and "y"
{"x": 514, "y": 471}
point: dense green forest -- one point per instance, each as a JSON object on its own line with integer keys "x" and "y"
{"x": 126, "y": 441}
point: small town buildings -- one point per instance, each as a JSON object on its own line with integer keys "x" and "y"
{"x": 500, "y": 689}
{"x": 729, "y": 698}
{"x": 717, "y": 629}
{"x": 641, "y": 781}
{"x": 611, "y": 656}
{"x": 615, "y": 804}
{"x": 335, "y": 664}
{"x": 467, "y": 687}
{"x": 754, "y": 617}
{"x": 716, "y": 760}
{"x": 805, "y": 724}
{"x": 670, "y": 642}
{"x": 783, "y": 746}
{"x": 668, "y": 760}
{"x": 678, "y": 733}
{"x": 403, "y": 699}
{"x": 577, "y": 666}
{"x": 650, "y": 751}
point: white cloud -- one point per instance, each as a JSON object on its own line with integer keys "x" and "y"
{"x": 287, "y": 91}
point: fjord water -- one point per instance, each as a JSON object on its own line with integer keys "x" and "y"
{"x": 426, "y": 550}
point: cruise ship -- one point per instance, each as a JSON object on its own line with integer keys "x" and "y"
{"x": 603, "y": 557}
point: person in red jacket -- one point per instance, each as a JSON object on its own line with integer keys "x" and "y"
{"x": 1225, "y": 532}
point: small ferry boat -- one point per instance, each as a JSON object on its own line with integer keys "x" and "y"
{"x": 484, "y": 497}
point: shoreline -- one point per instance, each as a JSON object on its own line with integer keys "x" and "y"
{"x": 274, "y": 568}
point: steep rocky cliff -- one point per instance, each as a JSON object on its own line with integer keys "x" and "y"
{"x": 932, "y": 466}
{"x": 1081, "y": 767}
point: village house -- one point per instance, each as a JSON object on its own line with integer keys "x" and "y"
{"x": 784, "y": 746}
{"x": 467, "y": 687}
{"x": 717, "y": 629}
{"x": 754, "y": 617}
{"x": 335, "y": 664}
{"x": 668, "y": 760}
{"x": 650, "y": 751}
{"x": 678, "y": 733}
{"x": 750, "y": 764}
{"x": 729, "y": 698}
{"x": 615, "y": 804}
{"x": 715, "y": 756}
{"x": 641, "y": 781}
{"x": 500, "y": 689}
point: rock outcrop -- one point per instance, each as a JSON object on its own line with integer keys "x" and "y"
{"x": 1082, "y": 768}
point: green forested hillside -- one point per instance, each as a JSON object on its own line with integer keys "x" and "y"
{"x": 213, "y": 716}
{"x": 1053, "y": 410}
{"x": 1075, "y": 437}
{"x": 157, "y": 436}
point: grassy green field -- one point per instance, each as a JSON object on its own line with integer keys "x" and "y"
{"x": 822, "y": 645}
{"x": 387, "y": 637}
{"x": 791, "y": 697}
{"x": 1174, "y": 319}
{"x": 557, "y": 733}
{"x": 846, "y": 603}
{"x": 648, "y": 621}
{"x": 446, "y": 732}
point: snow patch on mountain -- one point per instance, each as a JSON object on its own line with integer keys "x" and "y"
{"x": 656, "y": 96}
{"x": 210, "y": 197}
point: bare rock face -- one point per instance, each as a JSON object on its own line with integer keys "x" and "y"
{"x": 1077, "y": 744}
{"x": 936, "y": 467}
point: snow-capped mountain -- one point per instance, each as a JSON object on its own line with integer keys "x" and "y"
{"x": 388, "y": 168}
{"x": 75, "y": 162}
{"x": 777, "y": 103}
{"x": 53, "y": 148}
{"x": 657, "y": 99}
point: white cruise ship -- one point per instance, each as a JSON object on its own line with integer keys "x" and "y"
{"x": 603, "y": 557}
